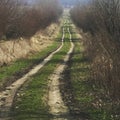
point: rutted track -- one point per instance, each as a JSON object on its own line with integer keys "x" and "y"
{"x": 55, "y": 101}
{"x": 7, "y": 96}
{"x": 57, "y": 106}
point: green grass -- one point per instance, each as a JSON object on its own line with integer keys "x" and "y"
{"x": 82, "y": 86}
{"x": 79, "y": 72}
{"x": 23, "y": 64}
{"x": 32, "y": 105}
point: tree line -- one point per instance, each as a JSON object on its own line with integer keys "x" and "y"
{"x": 18, "y": 18}
{"x": 101, "y": 20}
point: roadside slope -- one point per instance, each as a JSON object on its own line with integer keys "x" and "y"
{"x": 20, "y": 48}
{"x": 7, "y": 95}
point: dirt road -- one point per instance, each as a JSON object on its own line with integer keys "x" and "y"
{"x": 57, "y": 107}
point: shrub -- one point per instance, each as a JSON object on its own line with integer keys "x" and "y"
{"x": 101, "y": 19}
{"x": 19, "y": 19}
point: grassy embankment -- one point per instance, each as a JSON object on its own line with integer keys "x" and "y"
{"x": 32, "y": 101}
{"x": 16, "y": 69}
{"x": 83, "y": 92}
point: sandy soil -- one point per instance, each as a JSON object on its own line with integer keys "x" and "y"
{"x": 55, "y": 102}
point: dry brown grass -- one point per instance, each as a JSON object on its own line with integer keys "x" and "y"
{"x": 101, "y": 19}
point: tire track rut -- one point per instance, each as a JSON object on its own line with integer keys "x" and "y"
{"x": 55, "y": 102}
{"x": 7, "y": 96}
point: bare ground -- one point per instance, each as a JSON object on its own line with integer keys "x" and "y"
{"x": 55, "y": 99}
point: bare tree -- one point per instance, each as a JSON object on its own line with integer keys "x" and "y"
{"x": 101, "y": 19}
{"x": 19, "y": 19}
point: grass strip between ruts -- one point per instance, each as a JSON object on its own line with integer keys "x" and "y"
{"x": 30, "y": 103}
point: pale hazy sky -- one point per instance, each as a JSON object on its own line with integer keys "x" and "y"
{"x": 62, "y": 1}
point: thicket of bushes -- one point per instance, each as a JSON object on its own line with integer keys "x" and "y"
{"x": 101, "y": 18}
{"x": 19, "y": 19}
